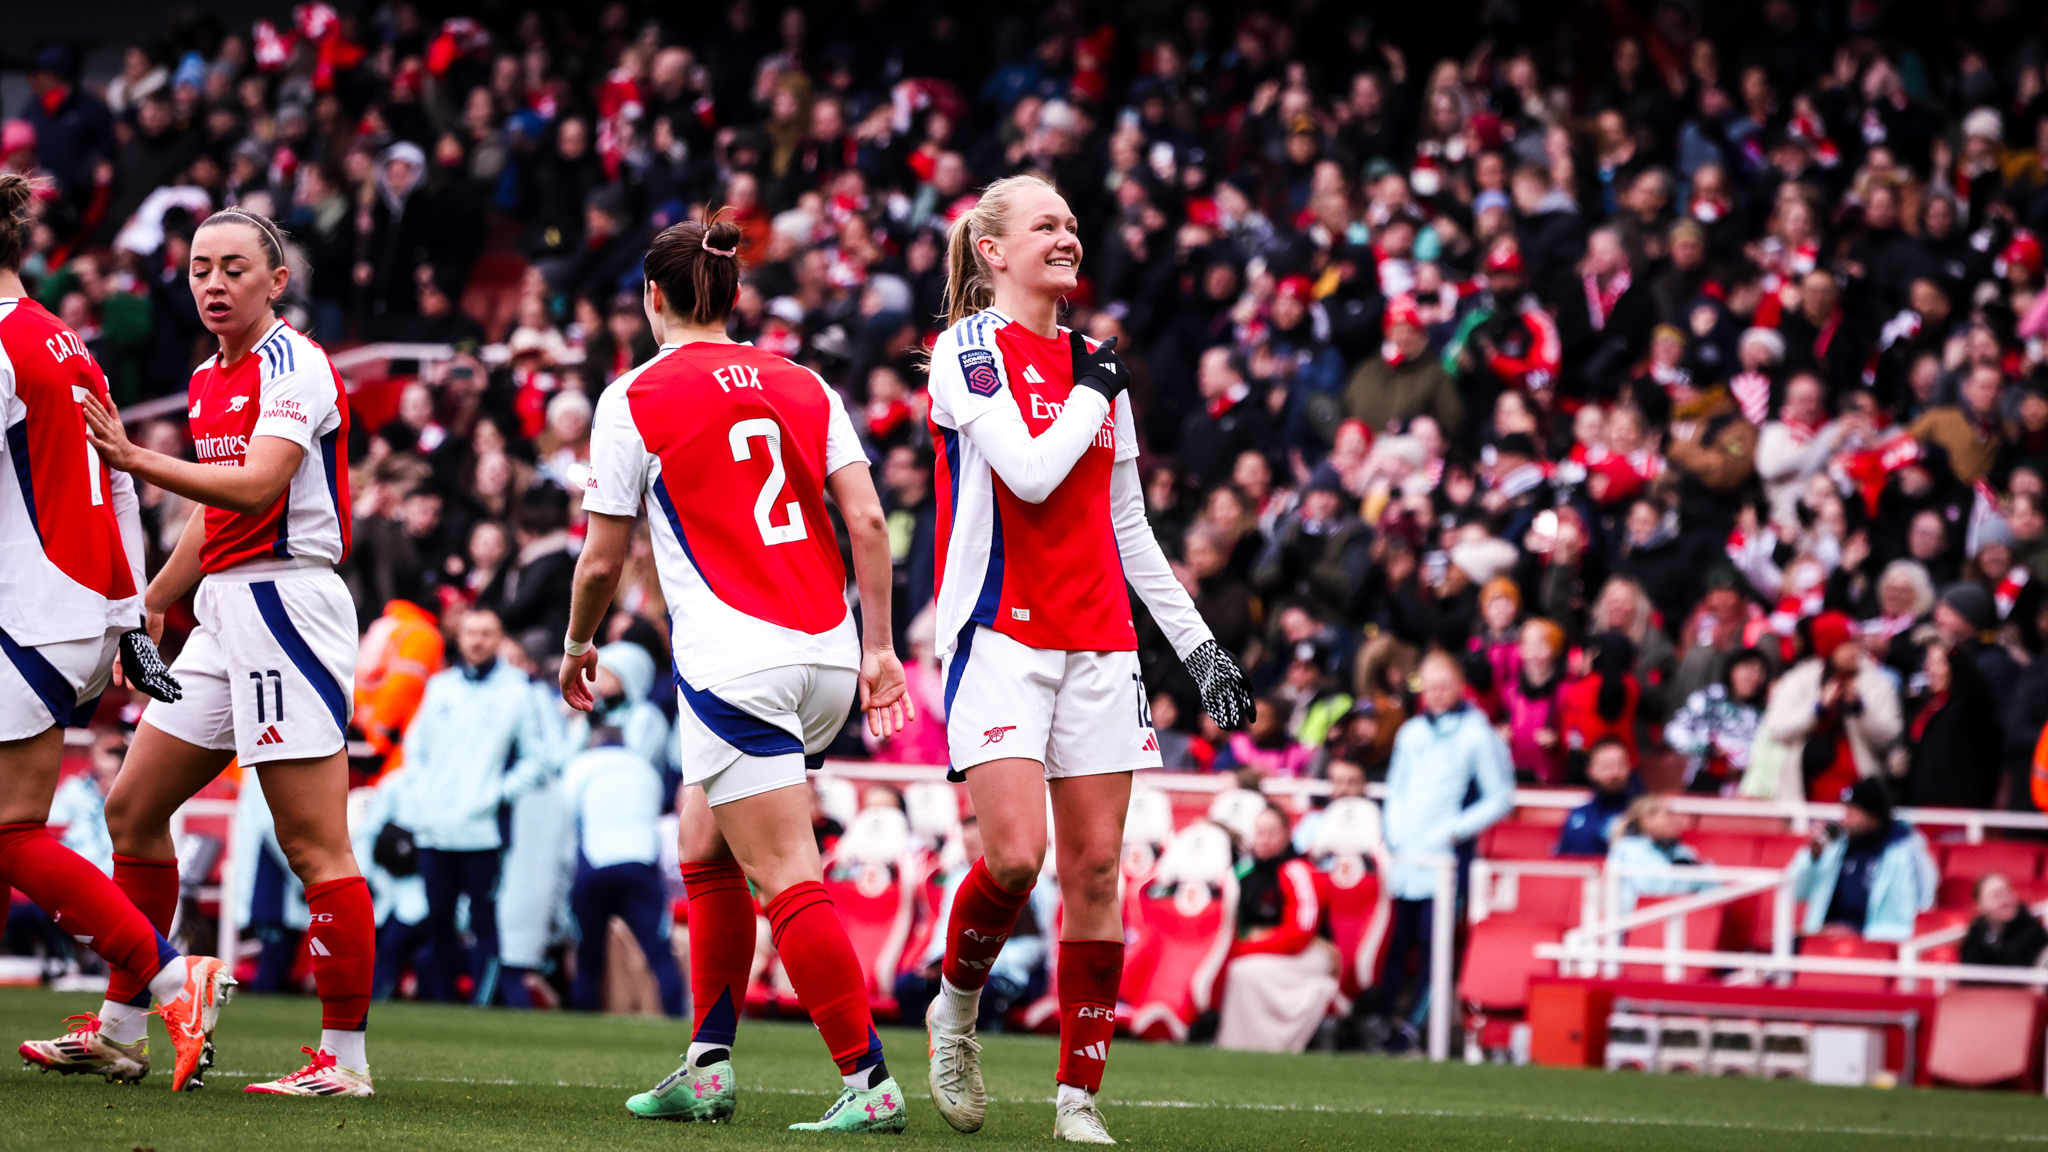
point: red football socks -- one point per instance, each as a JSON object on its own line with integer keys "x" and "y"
{"x": 343, "y": 940}
{"x": 984, "y": 912}
{"x": 82, "y": 901}
{"x": 1089, "y": 972}
{"x": 152, "y": 886}
{"x": 721, "y": 947}
{"x": 826, "y": 974}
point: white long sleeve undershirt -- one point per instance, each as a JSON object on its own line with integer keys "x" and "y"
{"x": 1145, "y": 566}
{"x": 1032, "y": 466}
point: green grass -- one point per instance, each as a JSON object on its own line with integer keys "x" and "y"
{"x": 451, "y": 1078}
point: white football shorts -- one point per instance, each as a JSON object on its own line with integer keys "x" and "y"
{"x": 270, "y": 671}
{"x": 758, "y": 732}
{"x": 1077, "y": 713}
{"x": 54, "y": 684}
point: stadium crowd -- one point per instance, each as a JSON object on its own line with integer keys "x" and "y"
{"x": 1678, "y": 368}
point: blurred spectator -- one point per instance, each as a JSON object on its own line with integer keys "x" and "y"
{"x": 1647, "y": 855}
{"x": 1833, "y": 716}
{"x": 1441, "y": 758}
{"x": 1280, "y": 977}
{"x": 2005, "y": 933}
{"x": 1589, "y": 829}
{"x": 1871, "y": 874}
{"x": 474, "y": 721}
{"x": 1953, "y": 739}
{"x": 399, "y": 652}
{"x": 1717, "y": 725}
{"x": 1346, "y": 779}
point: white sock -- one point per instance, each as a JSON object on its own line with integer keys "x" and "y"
{"x": 1070, "y": 1093}
{"x": 169, "y": 981}
{"x": 123, "y": 1023}
{"x": 957, "y": 1007}
{"x": 867, "y": 1079}
{"x": 347, "y": 1047}
{"x": 699, "y": 1049}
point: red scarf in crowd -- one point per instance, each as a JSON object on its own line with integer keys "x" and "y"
{"x": 1600, "y": 301}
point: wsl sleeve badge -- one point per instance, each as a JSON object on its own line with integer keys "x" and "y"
{"x": 978, "y": 366}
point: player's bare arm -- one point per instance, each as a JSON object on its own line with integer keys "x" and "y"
{"x": 597, "y": 578}
{"x": 249, "y": 487}
{"x": 884, "y": 693}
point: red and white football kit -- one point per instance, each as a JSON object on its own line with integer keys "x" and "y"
{"x": 70, "y": 535}
{"x": 267, "y": 672}
{"x": 728, "y": 447}
{"x": 1037, "y": 536}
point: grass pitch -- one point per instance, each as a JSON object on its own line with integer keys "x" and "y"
{"x": 454, "y": 1078}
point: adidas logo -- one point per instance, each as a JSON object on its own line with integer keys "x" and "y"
{"x": 269, "y": 736}
{"x": 1031, "y": 375}
{"x": 317, "y": 948}
{"x": 1096, "y": 1051}
{"x": 1151, "y": 742}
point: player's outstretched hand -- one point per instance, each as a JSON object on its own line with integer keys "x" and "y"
{"x": 142, "y": 668}
{"x": 1226, "y": 694}
{"x": 885, "y": 694}
{"x": 578, "y": 674}
{"x": 1102, "y": 369}
{"x": 109, "y": 438}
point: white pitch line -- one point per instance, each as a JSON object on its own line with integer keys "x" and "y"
{"x": 1324, "y": 1109}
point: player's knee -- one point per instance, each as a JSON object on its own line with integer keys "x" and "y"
{"x": 126, "y": 825}
{"x": 1014, "y": 866}
{"x": 1093, "y": 880}
{"x": 313, "y": 861}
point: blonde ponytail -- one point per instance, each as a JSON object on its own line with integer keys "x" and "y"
{"x": 970, "y": 286}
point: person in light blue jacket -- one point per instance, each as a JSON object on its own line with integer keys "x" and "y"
{"x": 1872, "y": 874}
{"x": 399, "y": 902}
{"x": 1650, "y": 854}
{"x": 617, "y": 797}
{"x": 479, "y": 740}
{"x": 1440, "y": 756}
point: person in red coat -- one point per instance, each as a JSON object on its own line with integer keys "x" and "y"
{"x": 1603, "y": 704}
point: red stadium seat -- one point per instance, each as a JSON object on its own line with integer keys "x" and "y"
{"x": 2019, "y": 861}
{"x": 871, "y": 875}
{"x": 1500, "y": 958}
{"x": 1348, "y": 851}
{"x": 1848, "y": 946}
{"x": 1728, "y": 849}
{"x": 1188, "y": 918}
{"x": 1513, "y": 840}
{"x": 1740, "y": 825}
{"x": 1985, "y": 1036}
{"x": 1555, "y": 900}
{"x": 1936, "y": 921}
{"x": 1776, "y": 851}
{"x": 1543, "y": 817}
{"x": 1702, "y": 931}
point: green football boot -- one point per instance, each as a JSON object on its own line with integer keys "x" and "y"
{"x": 879, "y": 1109}
{"x": 706, "y": 1094}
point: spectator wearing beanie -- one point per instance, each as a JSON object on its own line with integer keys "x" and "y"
{"x": 1830, "y": 720}
{"x": 1870, "y": 875}
{"x": 1966, "y": 619}
{"x": 1717, "y": 725}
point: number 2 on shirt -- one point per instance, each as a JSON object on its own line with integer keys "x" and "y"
{"x": 771, "y": 434}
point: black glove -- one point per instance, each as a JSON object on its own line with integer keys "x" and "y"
{"x": 144, "y": 667}
{"x": 1101, "y": 369}
{"x": 1226, "y": 694}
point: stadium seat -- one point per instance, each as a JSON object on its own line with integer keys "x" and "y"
{"x": 1985, "y": 1036}
{"x": 1739, "y": 825}
{"x": 1553, "y": 900}
{"x": 1545, "y": 817}
{"x": 865, "y": 875}
{"x": 1500, "y": 957}
{"x": 1847, "y": 946}
{"x": 1348, "y": 849}
{"x": 1188, "y": 916}
{"x": 1936, "y": 921}
{"x": 2019, "y": 861}
{"x": 1514, "y": 840}
{"x": 1148, "y": 826}
{"x": 1237, "y": 810}
{"x": 1776, "y": 851}
{"x": 1702, "y": 930}
{"x": 1728, "y": 849}
{"x": 934, "y": 810}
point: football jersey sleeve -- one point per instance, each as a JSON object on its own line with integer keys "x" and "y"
{"x": 968, "y": 379}
{"x": 842, "y": 443}
{"x": 298, "y": 404}
{"x": 1126, "y": 429}
{"x": 618, "y": 457}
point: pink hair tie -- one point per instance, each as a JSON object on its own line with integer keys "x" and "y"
{"x": 729, "y": 253}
